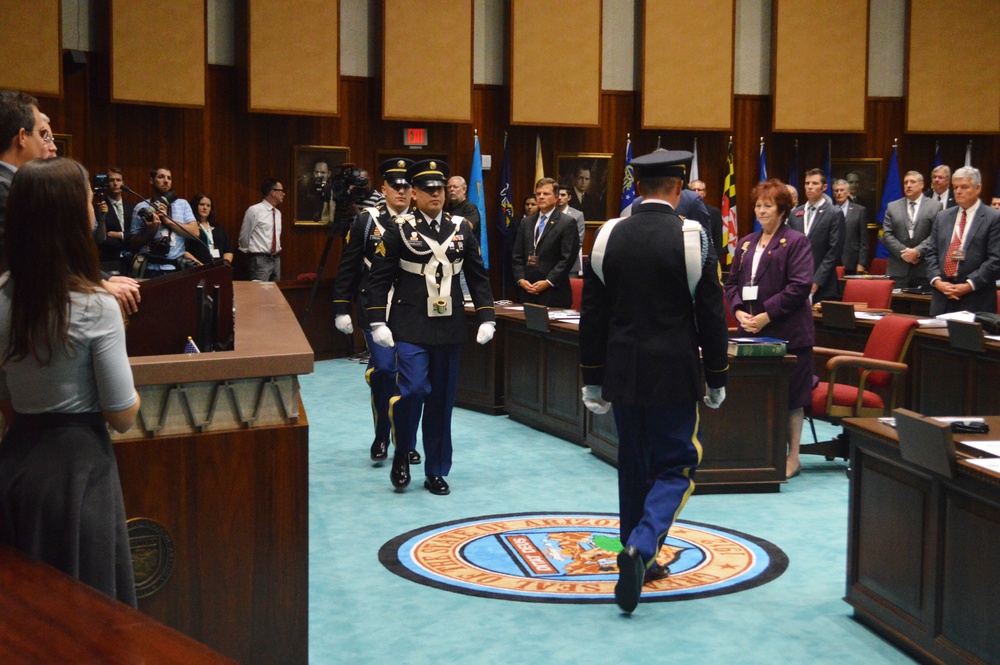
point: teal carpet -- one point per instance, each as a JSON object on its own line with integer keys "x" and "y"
{"x": 359, "y": 612}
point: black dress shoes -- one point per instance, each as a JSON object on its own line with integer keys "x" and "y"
{"x": 655, "y": 572}
{"x": 437, "y": 485}
{"x": 380, "y": 450}
{"x": 400, "y": 474}
{"x": 414, "y": 457}
{"x": 630, "y": 578}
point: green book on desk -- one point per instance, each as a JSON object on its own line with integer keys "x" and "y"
{"x": 749, "y": 347}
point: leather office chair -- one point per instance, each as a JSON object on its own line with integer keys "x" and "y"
{"x": 878, "y": 267}
{"x": 881, "y": 371}
{"x": 876, "y": 293}
{"x": 841, "y": 271}
{"x": 576, "y": 284}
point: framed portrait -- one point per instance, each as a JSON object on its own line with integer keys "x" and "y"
{"x": 313, "y": 166}
{"x": 589, "y": 175}
{"x": 64, "y": 144}
{"x": 864, "y": 177}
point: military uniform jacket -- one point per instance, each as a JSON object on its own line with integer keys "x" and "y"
{"x": 361, "y": 249}
{"x": 408, "y": 318}
{"x": 639, "y": 329}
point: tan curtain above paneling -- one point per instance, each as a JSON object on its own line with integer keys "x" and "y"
{"x": 30, "y": 47}
{"x": 953, "y": 79}
{"x": 294, "y": 56}
{"x": 688, "y": 83}
{"x": 555, "y": 74}
{"x": 158, "y": 53}
{"x": 427, "y": 60}
{"x": 820, "y": 78}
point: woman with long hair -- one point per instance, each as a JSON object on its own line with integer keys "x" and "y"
{"x": 215, "y": 237}
{"x": 64, "y": 377}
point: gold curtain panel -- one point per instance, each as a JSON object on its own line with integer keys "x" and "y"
{"x": 953, "y": 78}
{"x": 427, "y": 60}
{"x": 820, "y": 74}
{"x": 687, "y": 64}
{"x": 555, "y": 62}
{"x": 31, "y": 47}
{"x": 158, "y": 52}
{"x": 294, "y": 56}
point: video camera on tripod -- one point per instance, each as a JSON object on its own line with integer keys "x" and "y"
{"x": 346, "y": 189}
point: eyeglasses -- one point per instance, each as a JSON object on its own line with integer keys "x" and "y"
{"x": 278, "y": 190}
{"x": 48, "y": 138}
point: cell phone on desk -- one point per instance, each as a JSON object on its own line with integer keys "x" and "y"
{"x": 969, "y": 427}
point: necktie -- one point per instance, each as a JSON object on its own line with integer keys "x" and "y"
{"x": 913, "y": 214}
{"x": 810, "y": 214}
{"x": 950, "y": 264}
{"x": 274, "y": 231}
{"x": 541, "y": 227}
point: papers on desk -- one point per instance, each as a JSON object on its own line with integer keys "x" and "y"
{"x": 941, "y": 320}
{"x": 991, "y": 447}
{"x": 995, "y": 338}
{"x": 989, "y": 463}
{"x": 891, "y": 422}
{"x": 515, "y": 308}
{"x": 563, "y": 315}
{"x": 955, "y": 419}
{"x": 869, "y": 316}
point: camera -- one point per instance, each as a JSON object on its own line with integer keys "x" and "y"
{"x": 347, "y": 189}
{"x": 100, "y": 188}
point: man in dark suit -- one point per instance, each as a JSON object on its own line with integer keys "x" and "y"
{"x": 906, "y": 232}
{"x": 823, "y": 224}
{"x": 940, "y": 180}
{"x": 118, "y": 219}
{"x": 714, "y": 216}
{"x": 651, "y": 299}
{"x": 583, "y": 197}
{"x": 423, "y": 252}
{"x": 963, "y": 260}
{"x": 20, "y": 142}
{"x": 855, "y": 256}
{"x": 545, "y": 250}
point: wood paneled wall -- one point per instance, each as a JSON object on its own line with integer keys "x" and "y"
{"x": 226, "y": 152}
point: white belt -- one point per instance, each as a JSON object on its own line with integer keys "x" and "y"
{"x": 425, "y": 268}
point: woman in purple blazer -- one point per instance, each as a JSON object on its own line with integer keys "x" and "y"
{"x": 768, "y": 292}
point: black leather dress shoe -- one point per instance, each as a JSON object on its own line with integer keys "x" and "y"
{"x": 400, "y": 474}
{"x": 655, "y": 572}
{"x": 630, "y": 576}
{"x": 414, "y": 457}
{"x": 437, "y": 485}
{"x": 380, "y": 450}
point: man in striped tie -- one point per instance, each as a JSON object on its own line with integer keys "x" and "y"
{"x": 963, "y": 260}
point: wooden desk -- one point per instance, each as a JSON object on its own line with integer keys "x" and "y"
{"x": 48, "y": 617}
{"x": 218, "y": 459}
{"x": 744, "y": 441}
{"x": 911, "y": 303}
{"x": 922, "y": 550}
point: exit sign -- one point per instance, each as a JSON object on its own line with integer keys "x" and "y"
{"x": 415, "y": 136}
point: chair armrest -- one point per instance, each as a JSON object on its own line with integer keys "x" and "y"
{"x": 824, "y": 351}
{"x": 865, "y": 363}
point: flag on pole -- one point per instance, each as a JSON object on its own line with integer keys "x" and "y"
{"x": 539, "y": 166}
{"x": 761, "y": 176}
{"x": 628, "y": 184}
{"x": 893, "y": 191}
{"x": 505, "y": 215}
{"x": 937, "y": 156}
{"x": 793, "y": 170}
{"x": 968, "y": 154}
{"x": 729, "y": 232}
{"x": 191, "y": 347}
{"x": 478, "y": 199}
{"x": 694, "y": 163}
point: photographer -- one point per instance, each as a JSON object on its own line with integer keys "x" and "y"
{"x": 108, "y": 199}
{"x": 158, "y": 232}
{"x": 260, "y": 235}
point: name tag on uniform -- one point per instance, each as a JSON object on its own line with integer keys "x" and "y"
{"x": 958, "y": 255}
{"x": 532, "y": 260}
{"x": 749, "y": 292}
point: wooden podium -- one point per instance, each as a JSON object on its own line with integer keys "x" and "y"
{"x": 214, "y": 474}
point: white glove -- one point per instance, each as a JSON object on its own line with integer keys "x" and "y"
{"x": 381, "y": 335}
{"x": 593, "y": 401}
{"x": 343, "y": 323}
{"x": 715, "y": 397}
{"x": 485, "y": 333}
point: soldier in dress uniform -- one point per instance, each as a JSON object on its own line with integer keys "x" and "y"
{"x": 425, "y": 250}
{"x": 362, "y": 248}
{"x": 651, "y": 298}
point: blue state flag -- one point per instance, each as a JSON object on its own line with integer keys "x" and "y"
{"x": 628, "y": 184}
{"x": 893, "y": 191}
{"x": 937, "y": 156}
{"x": 761, "y": 176}
{"x": 478, "y": 199}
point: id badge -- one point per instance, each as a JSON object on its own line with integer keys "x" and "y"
{"x": 958, "y": 255}
{"x": 215, "y": 253}
{"x": 749, "y": 293}
{"x": 532, "y": 260}
{"x": 439, "y": 306}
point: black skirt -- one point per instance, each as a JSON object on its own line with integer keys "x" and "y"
{"x": 61, "y": 499}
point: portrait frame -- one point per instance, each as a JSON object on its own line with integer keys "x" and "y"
{"x": 306, "y": 205}
{"x": 64, "y": 144}
{"x": 601, "y": 167}
{"x": 869, "y": 188}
